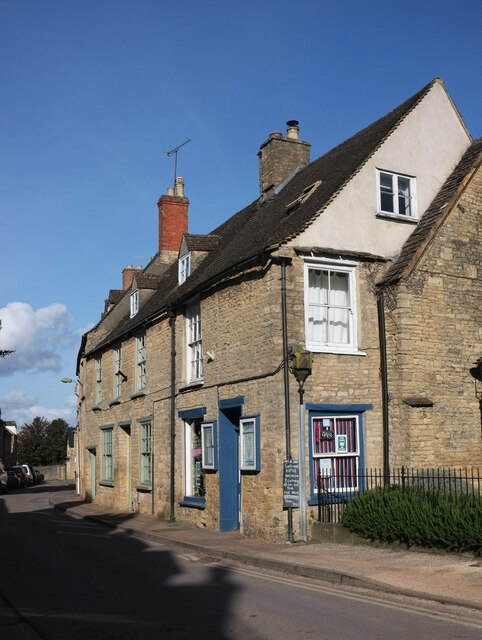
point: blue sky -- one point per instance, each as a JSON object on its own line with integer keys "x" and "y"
{"x": 95, "y": 91}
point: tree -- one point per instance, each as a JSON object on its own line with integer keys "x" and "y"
{"x": 30, "y": 442}
{"x": 42, "y": 442}
{"x": 55, "y": 444}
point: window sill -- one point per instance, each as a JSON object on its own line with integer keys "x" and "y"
{"x": 96, "y": 407}
{"x": 193, "y": 502}
{"x": 114, "y": 402}
{"x": 334, "y": 350}
{"x": 191, "y": 386}
{"x": 397, "y": 217}
{"x": 146, "y": 488}
{"x": 106, "y": 483}
{"x": 138, "y": 394}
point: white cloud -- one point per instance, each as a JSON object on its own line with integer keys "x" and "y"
{"x": 37, "y": 337}
{"x": 23, "y": 407}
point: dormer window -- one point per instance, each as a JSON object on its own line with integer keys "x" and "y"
{"x": 396, "y": 195}
{"x": 184, "y": 268}
{"x": 134, "y": 303}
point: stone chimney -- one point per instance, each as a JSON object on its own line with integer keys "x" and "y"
{"x": 128, "y": 275}
{"x": 279, "y": 156}
{"x": 173, "y": 209}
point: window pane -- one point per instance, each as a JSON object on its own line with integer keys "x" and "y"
{"x": 340, "y": 289}
{"x": 339, "y": 326}
{"x": 318, "y": 322}
{"x": 404, "y": 196}
{"x": 196, "y": 471}
{"x": 386, "y": 202}
{"x": 249, "y": 451}
{"x": 208, "y": 452}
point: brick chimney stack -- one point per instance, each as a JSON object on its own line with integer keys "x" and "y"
{"x": 128, "y": 275}
{"x": 279, "y": 156}
{"x": 173, "y": 209}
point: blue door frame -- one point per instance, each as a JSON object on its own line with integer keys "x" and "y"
{"x": 230, "y": 412}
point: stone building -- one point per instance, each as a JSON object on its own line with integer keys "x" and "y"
{"x": 187, "y": 406}
{"x": 8, "y": 442}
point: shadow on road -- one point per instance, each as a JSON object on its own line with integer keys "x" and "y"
{"x": 95, "y": 582}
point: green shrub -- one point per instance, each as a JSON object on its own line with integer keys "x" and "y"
{"x": 417, "y": 516}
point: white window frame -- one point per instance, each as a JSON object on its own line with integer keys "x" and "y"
{"x": 98, "y": 380}
{"x": 108, "y": 454}
{"x": 194, "y": 350}
{"x": 208, "y": 445}
{"x": 189, "y": 484}
{"x": 117, "y": 375}
{"x": 184, "y": 268}
{"x": 248, "y": 426}
{"x": 412, "y": 197}
{"x": 341, "y": 266}
{"x": 134, "y": 303}
{"x": 145, "y": 452}
{"x": 141, "y": 362}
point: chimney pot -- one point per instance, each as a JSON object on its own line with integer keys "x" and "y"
{"x": 180, "y": 187}
{"x": 170, "y": 191}
{"x": 293, "y": 130}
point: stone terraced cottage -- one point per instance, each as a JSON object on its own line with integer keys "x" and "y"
{"x": 368, "y": 258}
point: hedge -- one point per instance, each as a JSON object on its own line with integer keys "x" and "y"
{"x": 415, "y": 516}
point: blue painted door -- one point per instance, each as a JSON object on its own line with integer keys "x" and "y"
{"x": 229, "y": 476}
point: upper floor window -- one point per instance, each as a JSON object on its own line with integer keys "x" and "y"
{"x": 98, "y": 380}
{"x": 141, "y": 362}
{"x": 134, "y": 303}
{"x": 330, "y": 311}
{"x": 117, "y": 372}
{"x": 194, "y": 343}
{"x": 184, "y": 267}
{"x": 396, "y": 194}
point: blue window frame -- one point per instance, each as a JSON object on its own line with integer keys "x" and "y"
{"x": 336, "y": 450}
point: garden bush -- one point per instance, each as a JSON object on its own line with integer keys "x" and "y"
{"x": 415, "y": 516}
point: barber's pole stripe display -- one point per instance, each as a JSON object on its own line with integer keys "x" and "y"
{"x": 344, "y": 466}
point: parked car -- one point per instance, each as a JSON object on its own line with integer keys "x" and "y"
{"x": 28, "y": 470}
{"x": 20, "y": 471}
{"x": 13, "y": 481}
{"x": 3, "y": 478}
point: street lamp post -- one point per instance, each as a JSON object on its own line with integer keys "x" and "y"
{"x": 301, "y": 366}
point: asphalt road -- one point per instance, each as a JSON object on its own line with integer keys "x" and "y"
{"x": 68, "y": 579}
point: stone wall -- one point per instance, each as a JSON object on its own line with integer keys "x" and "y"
{"x": 435, "y": 336}
{"x": 242, "y": 329}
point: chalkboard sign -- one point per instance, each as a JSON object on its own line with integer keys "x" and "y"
{"x": 291, "y": 484}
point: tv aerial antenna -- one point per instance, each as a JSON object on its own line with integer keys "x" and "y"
{"x": 174, "y": 151}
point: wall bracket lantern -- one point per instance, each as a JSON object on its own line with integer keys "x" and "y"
{"x": 476, "y": 373}
{"x": 301, "y": 366}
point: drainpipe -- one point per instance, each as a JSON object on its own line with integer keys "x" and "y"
{"x": 383, "y": 371}
{"x": 286, "y": 381}
{"x": 172, "y": 324}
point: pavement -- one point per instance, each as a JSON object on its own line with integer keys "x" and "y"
{"x": 438, "y": 577}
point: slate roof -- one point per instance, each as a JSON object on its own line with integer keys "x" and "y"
{"x": 198, "y": 242}
{"x": 265, "y": 224}
{"x": 115, "y": 295}
{"x": 434, "y": 215}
